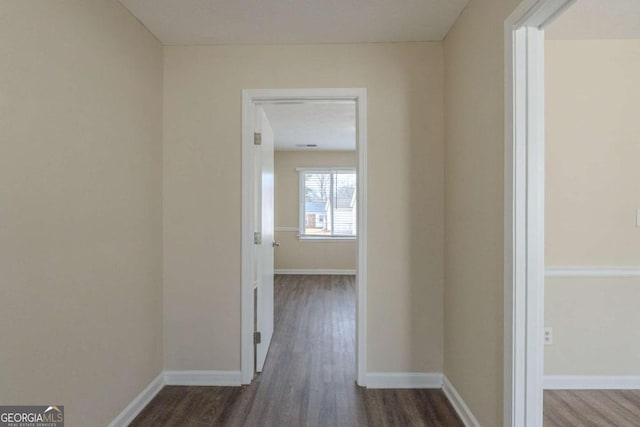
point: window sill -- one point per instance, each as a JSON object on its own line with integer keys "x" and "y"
{"x": 326, "y": 239}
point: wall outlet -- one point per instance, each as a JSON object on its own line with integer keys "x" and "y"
{"x": 548, "y": 336}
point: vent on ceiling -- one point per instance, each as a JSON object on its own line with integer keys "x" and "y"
{"x": 306, "y": 145}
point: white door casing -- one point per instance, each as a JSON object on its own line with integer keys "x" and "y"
{"x": 524, "y": 210}
{"x": 250, "y": 98}
{"x": 265, "y": 226}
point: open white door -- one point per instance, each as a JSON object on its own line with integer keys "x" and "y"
{"x": 265, "y": 224}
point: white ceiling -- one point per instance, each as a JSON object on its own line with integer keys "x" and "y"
{"x": 295, "y": 21}
{"x": 329, "y": 125}
{"x": 598, "y": 19}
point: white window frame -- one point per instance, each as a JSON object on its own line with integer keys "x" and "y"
{"x": 301, "y": 195}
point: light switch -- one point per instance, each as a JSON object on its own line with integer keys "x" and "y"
{"x": 638, "y": 218}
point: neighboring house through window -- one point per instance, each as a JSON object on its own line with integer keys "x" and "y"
{"x": 327, "y": 203}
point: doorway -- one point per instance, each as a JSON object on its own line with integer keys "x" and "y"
{"x": 592, "y": 85}
{"x": 524, "y": 210}
{"x": 250, "y": 303}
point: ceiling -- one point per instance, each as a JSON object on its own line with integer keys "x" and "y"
{"x": 598, "y": 19}
{"x": 186, "y": 22}
{"x": 331, "y": 125}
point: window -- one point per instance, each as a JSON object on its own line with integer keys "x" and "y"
{"x": 327, "y": 203}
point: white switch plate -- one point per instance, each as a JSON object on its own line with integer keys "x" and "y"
{"x": 548, "y": 336}
{"x": 638, "y": 218}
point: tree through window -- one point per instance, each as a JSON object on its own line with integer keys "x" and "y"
{"x": 328, "y": 203}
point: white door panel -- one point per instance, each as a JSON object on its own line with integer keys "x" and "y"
{"x": 265, "y": 224}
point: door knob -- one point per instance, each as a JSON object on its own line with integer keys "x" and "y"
{"x": 276, "y": 244}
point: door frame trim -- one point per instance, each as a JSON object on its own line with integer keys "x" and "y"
{"x": 249, "y": 98}
{"x": 524, "y": 210}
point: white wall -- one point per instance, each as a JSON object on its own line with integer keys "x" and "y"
{"x": 294, "y": 253}
{"x": 202, "y": 193}
{"x": 592, "y": 194}
{"x": 80, "y": 207}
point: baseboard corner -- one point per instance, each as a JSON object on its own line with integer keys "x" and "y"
{"x": 136, "y": 406}
{"x": 463, "y": 411}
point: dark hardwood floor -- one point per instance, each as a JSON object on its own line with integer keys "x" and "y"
{"x": 592, "y": 408}
{"x": 309, "y": 375}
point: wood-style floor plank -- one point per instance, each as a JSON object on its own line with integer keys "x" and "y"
{"x": 592, "y": 408}
{"x": 309, "y": 375}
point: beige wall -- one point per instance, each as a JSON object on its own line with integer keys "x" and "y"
{"x": 593, "y": 147}
{"x": 294, "y": 253}
{"x": 202, "y": 193}
{"x": 80, "y": 207}
{"x": 595, "y": 326}
{"x": 592, "y": 193}
{"x": 474, "y": 207}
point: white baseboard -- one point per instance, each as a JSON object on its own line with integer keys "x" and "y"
{"x": 202, "y": 378}
{"x": 205, "y": 378}
{"x": 591, "y": 382}
{"x": 374, "y": 380}
{"x": 317, "y": 271}
{"x": 461, "y": 408}
{"x": 138, "y": 403}
{"x": 403, "y": 380}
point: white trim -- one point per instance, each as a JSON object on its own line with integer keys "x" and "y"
{"x": 249, "y": 97}
{"x": 203, "y": 378}
{"x": 325, "y": 239}
{"x": 248, "y": 227}
{"x": 361, "y": 267}
{"x": 524, "y": 210}
{"x": 465, "y": 414}
{"x": 322, "y": 271}
{"x": 592, "y": 271}
{"x": 301, "y": 210}
{"x": 591, "y": 382}
{"x": 138, "y": 403}
{"x": 287, "y": 229}
{"x": 404, "y": 380}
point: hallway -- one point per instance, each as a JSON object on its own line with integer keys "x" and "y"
{"x": 309, "y": 375}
